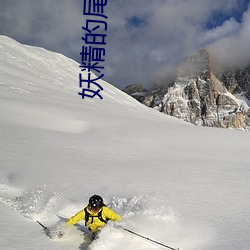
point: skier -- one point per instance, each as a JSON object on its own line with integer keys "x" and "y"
{"x": 95, "y": 214}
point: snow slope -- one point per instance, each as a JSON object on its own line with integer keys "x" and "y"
{"x": 176, "y": 183}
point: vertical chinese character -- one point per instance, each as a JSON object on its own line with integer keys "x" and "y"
{"x": 92, "y": 54}
{"x": 94, "y": 7}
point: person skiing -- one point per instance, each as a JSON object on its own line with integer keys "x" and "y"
{"x": 95, "y": 214}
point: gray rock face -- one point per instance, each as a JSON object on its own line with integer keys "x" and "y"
{"x": 201, "y": 97}
{"x": 237, "y": 81}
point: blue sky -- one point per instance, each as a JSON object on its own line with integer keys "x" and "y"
{"x": 218, "y": 17}
{"x": 146, "y": 39}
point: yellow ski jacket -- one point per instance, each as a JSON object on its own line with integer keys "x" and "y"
{"x": 94, "y": 223}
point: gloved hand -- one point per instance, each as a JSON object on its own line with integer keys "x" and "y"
{"x": 62, "y": 230}
{"x": 60, "y": 233}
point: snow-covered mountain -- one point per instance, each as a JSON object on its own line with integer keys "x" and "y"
{"x": 182, "y": 185}
{"x": 201, "y": 96}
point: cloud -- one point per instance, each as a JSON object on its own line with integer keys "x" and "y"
{"x": 171, "y": 31}
{"x": 233, "y": 49}
{"x": 52, "y": 24}
{"x": 145, "y": 39}
{"x": 228, "y": 28}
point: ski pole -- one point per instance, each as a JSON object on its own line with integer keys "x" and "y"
{"x": 146, "y": 238}
{"x": 45, "y": 228}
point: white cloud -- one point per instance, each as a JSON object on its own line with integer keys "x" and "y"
{"x": 228, "y": 28}
{"x": 233, "y": 50}
{"x": 170, "y": 31}
{"x": 173, "y": 30}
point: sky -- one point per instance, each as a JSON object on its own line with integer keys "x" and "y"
{"x": 145, "y": 40}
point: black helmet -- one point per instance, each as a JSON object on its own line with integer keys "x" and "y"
{"x": 96, "y": 202}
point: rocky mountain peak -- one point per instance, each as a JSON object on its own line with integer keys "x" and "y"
{"x": 200, "y": 96}
{"x": 196, "y": 64}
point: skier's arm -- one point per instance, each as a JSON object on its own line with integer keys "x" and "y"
{"x": 110, "y": 214}
{"x": 77, "y": 217}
